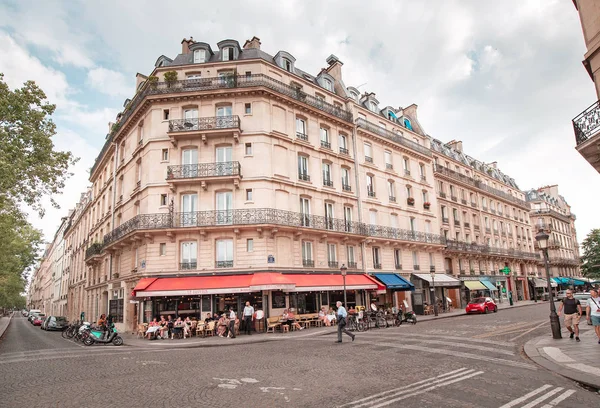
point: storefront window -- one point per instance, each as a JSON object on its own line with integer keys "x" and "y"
{"x": 304, "y": 302}
{"x": 116, "y": 310}
{"x": 277, "y": 300}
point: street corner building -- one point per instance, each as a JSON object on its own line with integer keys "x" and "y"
{"x": 232, "y": 175}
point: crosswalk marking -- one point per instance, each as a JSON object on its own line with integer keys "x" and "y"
{"x": 388, "y": 397}
{"x": 546, "y": 394}
{"x": 457, "y": 338}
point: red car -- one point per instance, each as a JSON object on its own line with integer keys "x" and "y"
{"x": 38, "y": 320}
{"x": 482, "y": 305}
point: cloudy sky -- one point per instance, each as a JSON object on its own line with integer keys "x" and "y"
{"x": 505, "y": 77}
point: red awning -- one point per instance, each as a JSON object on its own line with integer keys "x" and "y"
{"x": 271, "y": 281}
{"x": 197, "y": 285}
{"x": 314, "y": 282}
{"x": 144, "y": 283}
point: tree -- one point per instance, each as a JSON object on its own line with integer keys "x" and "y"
{"x": 30, "y": 168}
{"x": 591, "y": 254}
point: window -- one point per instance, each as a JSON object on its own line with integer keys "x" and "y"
{"x": 368, "y": 153}
{"x": 163, "y": 249}
{"x": 425, "y": 195}
{"x": 189, "y": 251}
{"x": 394, "y": 220}
{"x": 116, "y": 309}
{"x": 350, "y": 255}
{"x": 354, "y": 96}
{"x": 325, "y": 138}
{"x": 224, "y": 213}
{"x": 392, "y": 190}
{"x": 165, "y": 155}
{"x": 415, "y": 257}
{"x": 408, "y": 191}
{"x": 388, "y": 160}
{"x": 343, "y": 144}
{"x": 376, "y": 258}
{"x": 327, "y": 175}
{"x": 406, "y": 165}
{"x": 398, "y": 258}
{"x": 332, "y": 255}
{"x": 303, "y": 168}
{"x": 193, "y": 76}
{"x": 307, "y": 252}
{"x": 329, "y": 215}
{"x": 305, "y": 211}
{"x": 227, "y": 54}
{"x": 199, "y": 56}
{"x": 165, "y": 114}
{"x": 412, "y": 224}
{"x": 345, "y": 179}
{"x": 301, "y": 129}
{"x": 224, "y": 253}
{"x": 372, "y": 106}
{"x": 348, "y": 218}
{"x": 287, "y": 64}
{"x": 248, "y": 194}
{"x": 444, "y": 213}
{"x": 249, "y": 245}
{"x": 248, "y": 149}
{"x": 248, "y": 109}
{"x": 422, "y": 171}
{"x": 163, "y": 199}
{"x": 370, "y": 186}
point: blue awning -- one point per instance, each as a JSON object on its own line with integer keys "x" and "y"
{"x": 394, "y": 281}
{"x": 488, "y": 284}
{"x": 569, "y": 281}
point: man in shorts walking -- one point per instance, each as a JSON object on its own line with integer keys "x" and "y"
{"x": 593, "y": 311}
{"x": 572, "y": 311}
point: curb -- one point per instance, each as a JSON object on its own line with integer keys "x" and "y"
{"x": 6, "y": 328}
{"x": 532, "y": 353}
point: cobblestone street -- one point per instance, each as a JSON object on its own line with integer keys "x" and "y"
{"x": 466, "y": 361}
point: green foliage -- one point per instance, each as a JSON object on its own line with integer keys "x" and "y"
{"x": 591, "y": 254}
{"x": 153, "y": 81}
{"x": 170, "y": 76}
{"x": 30, "y": 168}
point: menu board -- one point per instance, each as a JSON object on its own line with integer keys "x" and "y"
{"x": 277, "y": 300}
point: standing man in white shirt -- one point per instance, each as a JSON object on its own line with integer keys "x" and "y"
{"x": 341, "y": 318}
{"x": 593, "y": 311}
{"x": 248, "y": 318}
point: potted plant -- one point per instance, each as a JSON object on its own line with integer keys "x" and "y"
{"x": 426, "y": 205}
{"x": 410, "y": 201}
{"x": 170, "y": 77}
{"x": 115, "y": 275}
{"x": 153, "y": 81}
{"x": 115, "y": 127}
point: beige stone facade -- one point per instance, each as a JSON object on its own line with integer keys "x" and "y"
{"x": 551, "y": 213}
{"x": 586, "y": 124}
{"x": 232, "y": 164}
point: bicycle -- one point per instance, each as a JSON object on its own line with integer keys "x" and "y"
{"x": 354, "y": 324}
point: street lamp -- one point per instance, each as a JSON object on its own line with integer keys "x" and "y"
{"x": 542, "y": 239}
{"x": 432, "y": 273}
{"x": 344, "y": 270}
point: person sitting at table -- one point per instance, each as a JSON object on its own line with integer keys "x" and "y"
{"x": 164, "y": 328}
{"x": 153, "y": 328}
{"x": 331, "y": 317}
{"x": 187, "y": 326}
{"x": 209, "y": 318}
{"x": 222, "y": 325}
{"x": 290, "y": 319}
{"x": 177, "y": 327}
{"x": 323, "y": 316}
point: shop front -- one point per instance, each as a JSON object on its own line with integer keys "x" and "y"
{"x": 446, "y": 287}
{"x": 521, "y": 284}
{"x": 398, "y": 290}
{"x": 541, "y": 287}
{"x": 471, "y": 288}
{"x": 500, "y": 282}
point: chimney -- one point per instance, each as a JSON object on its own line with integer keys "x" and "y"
{"x": 254, "y": 43}
{"x": 494, "y": 165}
{"x": 456, "y": 145}
{"x": 185, "y": 45}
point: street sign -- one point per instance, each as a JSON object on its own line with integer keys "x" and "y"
{"x": 270, "y": 259}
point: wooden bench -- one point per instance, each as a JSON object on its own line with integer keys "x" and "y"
{"x": 273, "y": 323}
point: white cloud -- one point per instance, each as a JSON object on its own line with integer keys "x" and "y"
{"x": 110, "y": 82}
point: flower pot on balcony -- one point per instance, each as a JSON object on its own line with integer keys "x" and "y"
{"x": 410, "y": 201}
{"x": 115, "y": 275}
{"x": 426, "y": 206}
{"x": 153, "y": 81}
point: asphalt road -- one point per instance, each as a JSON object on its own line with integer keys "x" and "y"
{"x": 467, "y": 361}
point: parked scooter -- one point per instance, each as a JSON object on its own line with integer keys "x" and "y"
{"x": 408, "y": 316}
{"x": 105, "y": 337}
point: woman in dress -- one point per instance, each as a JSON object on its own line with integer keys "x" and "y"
{"x": 222, "y": 325}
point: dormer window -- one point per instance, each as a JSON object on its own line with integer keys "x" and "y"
{"x": 227, "y": 54}
{"x": 407, "y": 124}
{"x": 199, "y": 56}
{"x": 287, "y": 65}
{"x": 354, "y": 96}
{"x": 372, "y": 106}
{"x": 327, "y": 85}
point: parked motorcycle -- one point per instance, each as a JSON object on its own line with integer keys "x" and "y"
{"x": 105, "y": 337}
{"x": 408, "y": 316}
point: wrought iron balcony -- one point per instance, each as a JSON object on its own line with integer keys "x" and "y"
{"x": 368, "y": 159}
{"x": 462, "y": 200}
{"x": 392, "y": 199}
{"x": 553, "y": 213}
{"x": 208, "y": 123}
{"x": 203, "y": 170}
{"x": 587, "y": 123}
{"x": 188, "y": 265}
{"x": 480, "y": 185}
{"x": 476, "y": 227}
{"x": 352, "y": 265}
{"x": 488, "y": 230}
{"x": 259, "y": 216}
{"x": 442, "y": 194}
{"x": 94, "y": 249}
{"x": 302, "y": 136}
{"x": 389, "y": 166}
{"x": 492, "y": 211}
{"x": 407, "y": 172}
{"x": 461, "y": 246}
{"x": 325, "y": 144}
{"x": 344, "y": 151}
{"x": 371, "y": 193}
{"x": 474, "y": 205}
{"x": 416, "y": 267}
{"x": 346, "y": 187}
{"x": 457, "y": 223}
{"x": 398, "y": 267}
{"x": 333, "y": 264}
{"x": 467, "y": 225}
{"x": 454, "y": 198}
{"x": 423, "y": 178}
{"x": 215, "y": 83}
{"x": 371, "y": 127}
{"x": 308, "y": 262}
{"x": 376, "y": 266}
{"x": 224, "y": 264}
{"x": 327, "y": 181}
{"x": 445, "y": 220}
{"x": 303, "y": 176}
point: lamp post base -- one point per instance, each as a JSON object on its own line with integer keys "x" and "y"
{"x": 555, "y": 325}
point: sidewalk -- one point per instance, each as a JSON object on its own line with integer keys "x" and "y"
{"x": 215, "y": 341}
{"x": 577, "y": 361}
{"x": 4, "y": 323}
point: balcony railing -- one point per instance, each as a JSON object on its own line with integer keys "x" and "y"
{"x": 587, "y": 123}
{"x": 407, "y": 172}
{"x": 201, "y": 170}
{"x": 208, "y": 123}
{"x": 398, "y": 267}
{"x": 260, "y": 216}
{"x": 553, "y": 213}
{"x": 303, "y": 177}
{"x": 389, "y": 166}
{"x": 474, "y": 205}
{"x": 362, "y": 123}
{"x": 188, "y": 265}
{"x": 371, "y": 193}
{"x": 457, "y": 223}
{"x": 308, "y": 262}
{"x": 467, "y": 225}
{"x": 332, "y": 264}
{"x": 392, "y": 199}
{"x": 214, "y": 83}
{"x": 346, "y": 187}
{"x": 224, "y": 264}
{"x": 462, "y": 200}
{"x": 326, "y": 144}
{"x": 302, "y": 136}
{"x": 376, "y": 266}
{"x": 445, "y": 220}
{"x": 94, "y": 249}
{"x": 344, "y": 151}
{"x": 417, "y": 267}
{"x": 478, "y": 184}
{"x": 442, "y": 194}
{"x": 461, "y": 246}
{"x": 327, "y": 182}
{"x": 352, "y": 265}
{"x": 368, "y": 159}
